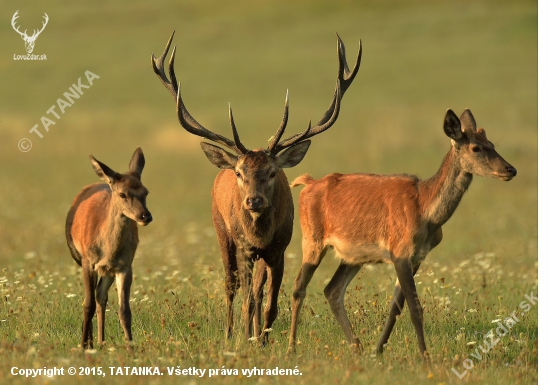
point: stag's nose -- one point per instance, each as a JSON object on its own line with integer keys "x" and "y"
{"x": 146, "y": 217}
{"x": 512, "y": 170}
{"x": 254, "y": 203}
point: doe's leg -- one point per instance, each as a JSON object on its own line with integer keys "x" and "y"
{"x": 335, "y": 292}
{"x": 102, "y": 290}
{"x": 123, "y": 284}
{"x": 90, "y": 278}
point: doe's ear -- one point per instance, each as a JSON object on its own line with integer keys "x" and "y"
{"x": 103, "y": 171}
{"x": 293, "y": 155}
{"x": 218, "y": 156}
{"x": 451, "y": 125}
{"x": 137, "y": 163}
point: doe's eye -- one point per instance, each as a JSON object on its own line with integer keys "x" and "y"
{"x": 238, "y": 174}
{"x": 122, "y": 195}
{"x": 273, "y": 174}
{"x": 476, "y": 149}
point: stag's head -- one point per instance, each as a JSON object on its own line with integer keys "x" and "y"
{"x": 29, "y": 40}
{"x": 476, "y": 153}
{"x": 256, "y": 171}
{"x": 128, "y": 194}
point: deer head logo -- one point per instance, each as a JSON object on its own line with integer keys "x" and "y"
{"x": 29, "y": 40}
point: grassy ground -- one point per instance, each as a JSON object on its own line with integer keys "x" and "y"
{"x": 420, "y": 58}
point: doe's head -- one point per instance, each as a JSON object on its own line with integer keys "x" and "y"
{"x": 128, "y": 193}
{"x": 476, "y": 153}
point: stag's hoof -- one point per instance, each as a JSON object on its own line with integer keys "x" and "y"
{"x": 356, "y": 347}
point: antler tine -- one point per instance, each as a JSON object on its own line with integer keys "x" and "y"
{"x": 343, "y": 81}
{"x": 238, "y": 144}
{"x": 44, "y": 23}
{"x": 158, "y": 67}
{"x": 275, "y": 139}
{"x": 13, "y": 19}
{"x": 184, "y": 117}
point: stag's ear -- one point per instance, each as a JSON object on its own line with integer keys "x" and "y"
{"x": 137, "y": 163}
{"x": 103, "y": 171}
{"x": 218, "y": 156}
{"x": 452, "y": 125}
{"x": 293, "y": 155}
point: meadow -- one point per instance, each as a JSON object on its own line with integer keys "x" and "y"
{"x": 419, "y": 58}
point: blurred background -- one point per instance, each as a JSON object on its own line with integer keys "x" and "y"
{"x": 419, "y": 58}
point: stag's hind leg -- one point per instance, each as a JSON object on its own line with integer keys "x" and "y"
{"x": 335, "y": 292}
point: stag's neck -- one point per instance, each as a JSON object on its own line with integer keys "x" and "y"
{"x": 258, "y": 229}
{"x": 441, "y": 194}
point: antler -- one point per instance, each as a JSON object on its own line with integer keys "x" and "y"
{"x": 36, "y": 33}
{"x": 344, "y": 80}
{"x": 185, "y": 118}
{"x": 15, "y": 17}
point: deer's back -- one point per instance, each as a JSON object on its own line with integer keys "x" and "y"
{"x": 362, "y": 214}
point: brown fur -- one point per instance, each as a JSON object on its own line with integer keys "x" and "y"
{"x": 251, "y": 201}
{"x": 247, "y": 238}
{"x": 395, "y": 219}
{"x": 102, "y": 236}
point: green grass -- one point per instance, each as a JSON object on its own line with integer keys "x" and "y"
{"x": 420, "y": 58}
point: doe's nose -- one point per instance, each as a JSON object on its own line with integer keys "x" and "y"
{"x": 146, "y": 217}
{"x": 512, "y": 170}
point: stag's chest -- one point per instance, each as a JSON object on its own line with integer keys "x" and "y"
{"x": 261, "y": 239}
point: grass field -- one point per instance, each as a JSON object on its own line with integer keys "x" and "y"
{"x": 420, "y": 58}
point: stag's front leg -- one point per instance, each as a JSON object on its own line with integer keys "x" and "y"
{"x": 260, "y": 278}
{"x": 102, "y": 291}
{"x": 246, "y": 266}
{"x": 405, "y": 274}
{"x": 275, "y": 273}
{"x": 123, "y": 284}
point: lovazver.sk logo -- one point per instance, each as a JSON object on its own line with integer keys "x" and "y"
{"x": 29, "y": 40}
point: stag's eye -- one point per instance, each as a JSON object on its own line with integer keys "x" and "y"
{"x": 476, "y": 149}
{"x": 273, "y": 174}
{"x": 122, "y": 195}
{"x": 238, "y": 175}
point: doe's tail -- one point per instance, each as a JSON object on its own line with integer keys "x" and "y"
{"x": 304, "y": 179}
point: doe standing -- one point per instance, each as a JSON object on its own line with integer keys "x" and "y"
{"x": 394, "y": 219}
{"x": 102, "y": 235}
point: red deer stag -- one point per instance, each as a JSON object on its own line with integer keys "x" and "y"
{"x": 388, "y": 218}
{"x": 102, "y": 236}
{"x": 252, "y": 205}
